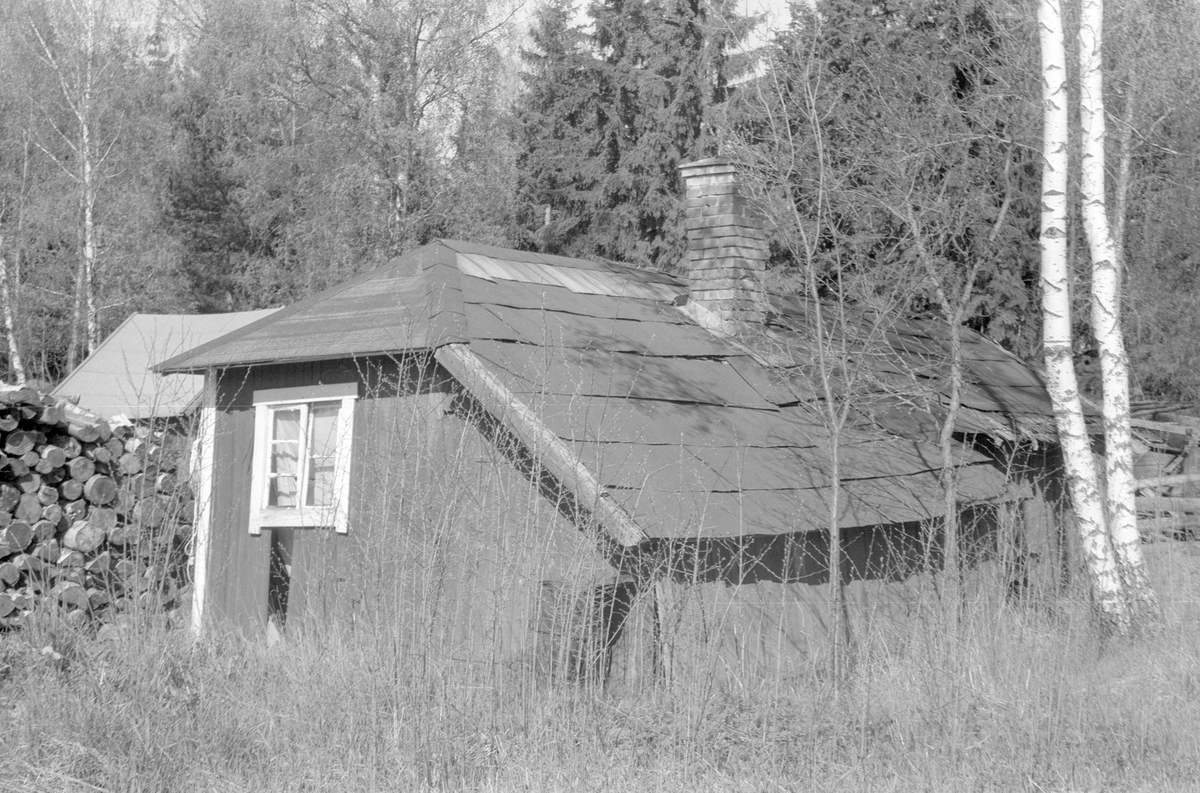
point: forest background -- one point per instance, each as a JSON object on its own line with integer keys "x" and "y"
{"x": 215, "y": 155}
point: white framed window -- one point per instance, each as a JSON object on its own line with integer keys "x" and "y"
{"x": 301, "y": 475}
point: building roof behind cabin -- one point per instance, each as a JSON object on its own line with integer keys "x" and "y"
{"x": 117, "y": 379}
{"x": 692, "y": 434}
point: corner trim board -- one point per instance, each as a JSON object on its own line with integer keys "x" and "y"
{"x": 202, "y": 457}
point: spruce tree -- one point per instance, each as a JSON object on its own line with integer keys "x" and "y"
{"x": 558, "y": 161}
{"x": 609, "y": 114}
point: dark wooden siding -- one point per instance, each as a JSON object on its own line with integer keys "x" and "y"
{"x": 237, "y": 565}
{"x": 239, "y": 562}
{"x": 449, "y": 546}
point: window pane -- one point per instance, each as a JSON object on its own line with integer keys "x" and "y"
{"x": 322, "y": 451}
{"x": 285, "y": 458}
{"x": 323, "y": 432}
{"x": 320, "y": 483}
{"x": 285, "y": 425}
{"x": 282, "y": 492}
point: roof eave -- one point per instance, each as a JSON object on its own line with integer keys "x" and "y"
{"x": 201, "y": 368}
{"x": 182, "y": 364}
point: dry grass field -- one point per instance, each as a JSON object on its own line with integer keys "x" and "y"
{"x": 1030, "y": 700}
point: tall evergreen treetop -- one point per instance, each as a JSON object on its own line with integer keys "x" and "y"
{"x": 609, "y": 114}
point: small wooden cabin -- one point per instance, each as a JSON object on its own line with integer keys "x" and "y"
{"x": 530, "y": 462}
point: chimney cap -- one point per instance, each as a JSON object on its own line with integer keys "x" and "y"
{"x": 709, "y": 165}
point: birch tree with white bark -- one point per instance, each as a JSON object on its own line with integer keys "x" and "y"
{"x": 15, "y": 141}
{"x": 8, "y": 311}
{"x": 77, "y": 70}
{"x": 1079, "y": 464}
{"x": 1106, "y": 321}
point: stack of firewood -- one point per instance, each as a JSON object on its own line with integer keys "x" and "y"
{"x": 93, "y": 517}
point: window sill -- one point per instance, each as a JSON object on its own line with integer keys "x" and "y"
{"x": 295, "y": 519}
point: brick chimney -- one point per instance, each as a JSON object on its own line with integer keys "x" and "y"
{"x": 727, "y": 250}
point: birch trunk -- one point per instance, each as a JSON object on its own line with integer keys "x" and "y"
{"x": 1056, "y": 315}
{"x": 1106, "y": 321}
{"x": 91, "y": 314}
{"x": 1124, "y": 169}
{"x": 76, "y": 343}
{"x": 79, "y": 87}
{"x": 10, "y": 277}
{"x": 88, "y": 185}
{"x": 10, "y": 320}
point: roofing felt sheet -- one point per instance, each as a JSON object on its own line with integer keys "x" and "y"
{"x": 1003, "y": 399}
{"x": 650, "y": 276}
{"x": 983, "y": 360}
{"x": 585, "y": 418}
{"x": 666, "y": 463}
{"x": 634, "y": 466}
{"x": 682, "y": 515}
{"x": 698, "y": 468}
{"x": 544, "y": 297}
{"x": 860, "y": 457}
{"x": 1006, "y": 374}
{"x": 906, "y": 421}
{"x": 614, "y": 374}
{"x": 387, "y": 310}
{"x": 808, "y": 467}
{"x": 778, "y": 386}
{"x": 1002, "y": 381}
{"x": 558, "y": 329}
